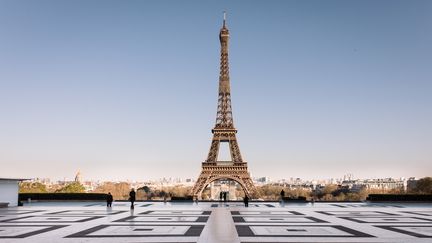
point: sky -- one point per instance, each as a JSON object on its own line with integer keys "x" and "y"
{"x": 127, "y": 90}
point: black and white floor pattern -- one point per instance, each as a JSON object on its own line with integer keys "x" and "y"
{"x": 170, "y": 222}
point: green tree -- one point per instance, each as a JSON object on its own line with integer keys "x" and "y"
{"x": 32, "y": 187}
{"x": 143, "y": 193}
{"x": 424, "y": 185}
{"x": 329, "y": 189}
{"x": 146, "y": 189}
{"x": 74, "y": 187}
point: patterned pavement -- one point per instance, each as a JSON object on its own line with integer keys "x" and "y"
{"x": 216, "y": 222}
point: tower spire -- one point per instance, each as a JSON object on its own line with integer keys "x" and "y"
{"x": 224, "y": 118}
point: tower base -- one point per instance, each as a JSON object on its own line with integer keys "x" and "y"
{"x": 213, "y": 172}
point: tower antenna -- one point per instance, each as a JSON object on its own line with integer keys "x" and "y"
{"x": 224, "y": 18}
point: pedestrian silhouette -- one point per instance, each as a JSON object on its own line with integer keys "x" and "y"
{"x": 246, "y": 201}
{"x": 132, "y": 198}
{"x": 220, "y": 196}
{"x": 109, "y": 199}
{"x": 225, "y": 196}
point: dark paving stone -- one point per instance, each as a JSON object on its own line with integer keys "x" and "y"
{"x": 406, "y": 232}
{"x": 194, "y": 230}
{"x": 17, "y": 220}
{"x": 241, "y": 219}
{"x": 44, "y": 228}
{"x": 246, "y": 231}
{"x": 393, "y": 219}
{"x": 356, "y": 213}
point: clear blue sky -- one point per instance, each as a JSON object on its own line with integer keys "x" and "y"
{"x": 128, "y": 89}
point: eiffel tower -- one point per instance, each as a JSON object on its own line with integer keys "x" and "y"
{"x": 224, "y": 132}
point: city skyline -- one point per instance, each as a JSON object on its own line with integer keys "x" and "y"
{"x": 129, "y": 90}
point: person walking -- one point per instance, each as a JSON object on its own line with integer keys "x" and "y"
{"x": 225, "y": 196}
{"x": 246, "y": 201}
{"x": 132, "y": 197}
{"x": 220, "y": 196}
{"x": 109, "y": 200}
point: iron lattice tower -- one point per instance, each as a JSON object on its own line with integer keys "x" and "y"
{"x": 224, "y": 132}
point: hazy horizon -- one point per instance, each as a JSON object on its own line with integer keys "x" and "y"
{"x": 128, "y": 90}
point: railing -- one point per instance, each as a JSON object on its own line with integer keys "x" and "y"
{"x": 224, "y": 163}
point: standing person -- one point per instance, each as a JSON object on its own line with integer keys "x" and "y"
{"x": 220, "y": 196}
{"x": 282, "y": 195}
{"x": 132, "y": 197}
{"x": 109, "y": 199}
{"x": 246, "y": 201}
{"x": 225, "y": 196}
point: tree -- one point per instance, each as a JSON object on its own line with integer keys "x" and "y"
{"x": 327, "y": 193}
{"x": 144, "y": 193}
{"x": 330, "y": 189}
{"x": 270, "y": 192}
{"x": 74, "y": 187}
{"x": 146, "y": 189}
{"x": 424, "y": 185}
{"x": 32, "y": 187}
{"x": 120, "y": 191}
{"x": 178, "y": 191}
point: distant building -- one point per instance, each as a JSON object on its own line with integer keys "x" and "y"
{"x": 385, "y": 184}
{"x": 263, "y": 180}
{"x": 411, "y": 184}
{"x": 9, "y": 191}
{"x": 78, "y": 177}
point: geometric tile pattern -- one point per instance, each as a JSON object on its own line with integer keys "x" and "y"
{"x": 201, "y": 219}
{"x": 357, "y": 213}
{"x": 276, "y": 219}
{"x": 364, "y": 205}
{"x": 74, "y": 222}
{"x": 298, "y": 231}
{"x": 265, "y": 213}
{"x": 421, "y": 231}
{"x": 139, "y": 230}
{"x": 177, "y": 212}
{"x": 422, "y": 213}
{"x": 278, "y": 225}
{"x": 252, "y": 205}
{"x": 389, "y": 219}
{"x": 86, "y": 212}
{"x": 17, "y": 212}
{"x": 51, "y": 219}
{"x": 22, "y": 231}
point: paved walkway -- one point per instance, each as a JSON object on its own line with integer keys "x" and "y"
{"x": 216, "y": 222}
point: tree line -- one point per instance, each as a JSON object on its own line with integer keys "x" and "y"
{"x": 120, "y": 191}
